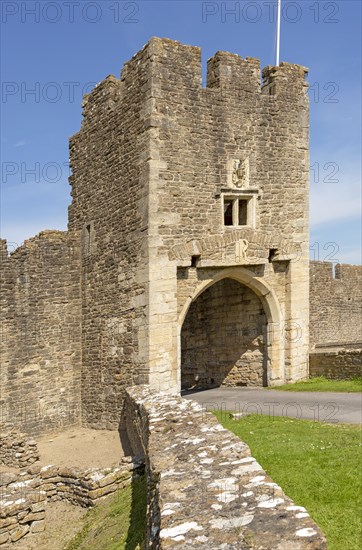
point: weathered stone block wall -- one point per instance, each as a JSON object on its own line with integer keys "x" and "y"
{"x": 222, "y": 339}
{"x": 16, "y": 449}
{"x": 190, "y": 458}
{"x": 21, "y": 512}
{"x": 109, "y": 158}
{"x": 335, "y": 305}
{"x": 336, "y": 364}
{"x": 40, "y": 326}
{"x": 199, "y": 130}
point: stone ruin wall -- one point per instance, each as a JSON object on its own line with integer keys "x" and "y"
{"x": 24, "y": 496}
{"x": 336, "y": 364}
{"x": 191, "y": 458}
{"x": 16, "y": 449}
{"x": 335, "y": 320}
{"x": 40, "y": 328}
{"x": 92, "y": 311}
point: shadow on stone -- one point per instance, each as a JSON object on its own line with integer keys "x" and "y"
{"x": 125, "y": 442}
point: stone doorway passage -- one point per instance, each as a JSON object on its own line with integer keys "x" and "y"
{"x": 223, "y": 338}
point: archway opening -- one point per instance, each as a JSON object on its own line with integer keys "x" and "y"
{"x": 224, "y": 338}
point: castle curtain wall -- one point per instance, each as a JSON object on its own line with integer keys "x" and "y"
{"x": 335, "y": 320}
{"x": 175, "y": 187}
{"x": 41, "y": 333}
{"x": 151, "y": 167}
{"x": 335, "y": 305}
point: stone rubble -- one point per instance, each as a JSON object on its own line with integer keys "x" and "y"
{"x": 16, "y": 448}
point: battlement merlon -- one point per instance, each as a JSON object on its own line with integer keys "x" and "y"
{"x": 167, "y": 60}
{"x": 178, "y": 66}
{"x": 230, "y": 71}
{"x": 3, "y": 249}
{"x": 285, "y": 79}
{"x": 104, "y": 96}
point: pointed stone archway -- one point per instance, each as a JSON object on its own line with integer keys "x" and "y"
{"x": 230, "y": 333}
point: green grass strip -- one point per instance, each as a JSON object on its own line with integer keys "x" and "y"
{"x": 317, "y": 465}
{"x": 322, "y": 384}
{"x": 117, "y": 523}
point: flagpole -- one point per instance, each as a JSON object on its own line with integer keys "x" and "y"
{"x": 278, "y": 31}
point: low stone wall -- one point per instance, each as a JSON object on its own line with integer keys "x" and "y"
{"x": 16, "y": 449}
{"x": 204, "y": 487}
{"x": 336, "y": 364}
{"x": 22, "y": 511}
{"x": 23, "y": 496}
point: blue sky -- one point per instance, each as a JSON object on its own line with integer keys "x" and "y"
{"x": 53, "y": 52}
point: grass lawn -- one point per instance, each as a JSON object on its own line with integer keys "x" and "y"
{"x": 118, "y": 523}
{"x": 322, "y": 384}
{"x": 317, "y": 465}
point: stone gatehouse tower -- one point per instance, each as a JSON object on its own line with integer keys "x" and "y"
{"x": 192, "y": 205}
{"x": 186, "y": 260}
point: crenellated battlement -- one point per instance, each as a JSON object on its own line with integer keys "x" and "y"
{"x": 167, "y": 64}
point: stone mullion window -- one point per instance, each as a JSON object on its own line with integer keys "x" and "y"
{"x": 237, "y": 211}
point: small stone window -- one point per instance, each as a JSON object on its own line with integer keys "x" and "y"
{"x": 87, "y": 239}
{"x": 236, "y": 211}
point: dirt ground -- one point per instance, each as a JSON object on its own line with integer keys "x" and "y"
{"x": 81, "y": 447}
{"x": 78, "y": 447}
